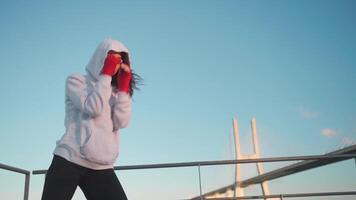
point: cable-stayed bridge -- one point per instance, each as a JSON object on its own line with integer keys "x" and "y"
{"x": 278, "y": 173}
{"x": 236, "y": 188}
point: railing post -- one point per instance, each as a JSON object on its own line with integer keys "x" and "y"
{"x": 281, "y": 196}
{"x": 27, "y": 186}
{"x": 200, "y": 191}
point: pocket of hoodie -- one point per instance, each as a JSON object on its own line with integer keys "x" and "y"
{"x": 101, "y": 147}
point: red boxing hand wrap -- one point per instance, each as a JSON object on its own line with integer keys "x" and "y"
{"x": 123, "y": 81}
{"x": 110, "y": 64}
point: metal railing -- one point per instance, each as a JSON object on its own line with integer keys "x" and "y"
{"x": 242, "y": 161}
{"x": 210, "y": 163}
{"x": 21, "y": 171}
{"x": 282, "y": 196}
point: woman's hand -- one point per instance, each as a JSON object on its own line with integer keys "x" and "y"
{"x": 124, "y": 78}
{"x": 111, "y": 65}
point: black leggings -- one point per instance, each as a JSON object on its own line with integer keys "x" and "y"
{"x": 63, "y": 177}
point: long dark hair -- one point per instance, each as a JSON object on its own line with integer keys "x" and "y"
{"x": 136, "y": 80}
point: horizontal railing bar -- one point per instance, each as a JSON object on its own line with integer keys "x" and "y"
{"x": 319, "y": 194}
{"x": 14, "y": 169}
{"x": 223, "y": 162}
{"x": 21, "y": 171}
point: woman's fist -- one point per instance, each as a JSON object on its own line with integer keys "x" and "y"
{"x": 111, "y": 65}
{"x": 124, "y": 79}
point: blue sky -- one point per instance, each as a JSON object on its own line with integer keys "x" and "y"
{"x": 289, "y": 64}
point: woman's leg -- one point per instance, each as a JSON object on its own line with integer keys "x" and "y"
{"x": 102, "y": 184}
{"x": 62, "y": 179}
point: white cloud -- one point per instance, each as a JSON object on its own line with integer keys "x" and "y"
{"x": 338, "y": 136}
{"x": 307, "y": 113}
{"x": 328, "y": 132}
{"x": 347, "y": 141}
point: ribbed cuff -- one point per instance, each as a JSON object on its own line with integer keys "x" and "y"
{"x": 105, "y": 79}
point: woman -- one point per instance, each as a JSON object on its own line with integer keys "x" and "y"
{"x": 97, "y": 105}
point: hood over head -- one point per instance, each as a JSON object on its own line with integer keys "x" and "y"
{"x": 96, "y": 62}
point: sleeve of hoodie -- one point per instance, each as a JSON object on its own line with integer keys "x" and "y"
{"x": 121, "y": 111}
{"x": 89, "y": 100}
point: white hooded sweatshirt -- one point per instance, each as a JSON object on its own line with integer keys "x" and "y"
{"x": 94, "y": 112}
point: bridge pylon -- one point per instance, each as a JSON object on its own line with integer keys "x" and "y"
{"x": 239, "y": 191}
